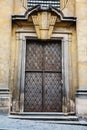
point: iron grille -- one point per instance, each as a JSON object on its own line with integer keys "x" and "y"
{"x": 44, "y": 3}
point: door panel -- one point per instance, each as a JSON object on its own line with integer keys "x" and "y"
{"x": 52, "y": 92}
{"x": 33, "y": 56}
{"x": 52, "y": 57}
{"x": 33, "y": 78}
{"x": 33, "y": 92}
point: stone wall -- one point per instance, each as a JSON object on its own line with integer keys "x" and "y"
{"x": 81, "y": 13}
{"x": 6, "y": 10}
{"x": 77, "y": 48}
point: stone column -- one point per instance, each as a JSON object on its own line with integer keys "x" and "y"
{"x": 81, "y": 95}
{"x": 6, "y": 9}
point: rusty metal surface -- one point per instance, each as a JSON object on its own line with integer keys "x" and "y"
{"x": 43, "y": 90}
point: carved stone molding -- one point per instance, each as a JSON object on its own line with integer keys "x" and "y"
{"x": 43, "y": 19}
{"x": 44, "y": 23}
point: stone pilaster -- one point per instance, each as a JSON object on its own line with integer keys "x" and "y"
{"x": 6, "y": 10}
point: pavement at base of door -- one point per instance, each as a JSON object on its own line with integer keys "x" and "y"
{"x": 17, "y": 124}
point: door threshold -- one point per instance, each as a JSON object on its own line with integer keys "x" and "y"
{"x": 43, "y": 113}
{"x": 50, "y": 116}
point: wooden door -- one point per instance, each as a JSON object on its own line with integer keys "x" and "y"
{"x": 43, "y": 74}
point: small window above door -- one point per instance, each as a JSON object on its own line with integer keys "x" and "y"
{"x": 43, "y": 3}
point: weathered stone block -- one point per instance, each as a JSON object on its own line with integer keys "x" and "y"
{"x": 81, "y": 103}
{"x": 5, "y": 101}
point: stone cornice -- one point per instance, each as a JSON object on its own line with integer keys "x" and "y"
{"x": 37, "y": 9}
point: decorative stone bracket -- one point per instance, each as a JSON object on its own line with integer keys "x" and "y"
{"x": 44, "y": 23}
{"x": 43, "y": 19}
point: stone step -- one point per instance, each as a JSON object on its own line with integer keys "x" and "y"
{"x": 43, "y": 116}
{"x": 43, "y": 113}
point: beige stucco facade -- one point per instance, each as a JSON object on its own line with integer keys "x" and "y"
{"x": 44, "y": 25}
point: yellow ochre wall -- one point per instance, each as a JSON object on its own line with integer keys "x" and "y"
{"x": 77, "y": 47}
